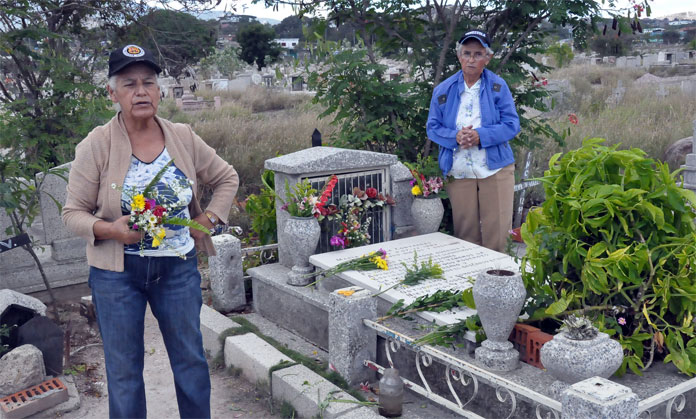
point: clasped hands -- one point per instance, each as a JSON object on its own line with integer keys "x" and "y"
{"x": 467, "y": 137}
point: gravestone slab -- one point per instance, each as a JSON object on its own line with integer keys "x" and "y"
{"x": 53, "y": 187}
{"x": 226, "y": 274}
{"x": 461, "y": 262}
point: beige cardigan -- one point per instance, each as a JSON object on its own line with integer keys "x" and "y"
{"x": 102, "y": 160}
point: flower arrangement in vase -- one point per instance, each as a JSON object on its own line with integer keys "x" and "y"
{"x": 353, "y": 216}
{"x": 427, "y": 182}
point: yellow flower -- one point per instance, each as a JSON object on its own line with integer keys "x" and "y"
{"x": 346, "y": 293}
{"x": 138, "y": 203}
{"x": 156, "y": 242}
{"x": 160, "y": 233}
{"x": 381, "y": 263}
{"x": 415, "y": 191}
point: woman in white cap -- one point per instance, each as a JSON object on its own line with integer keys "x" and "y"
{"x": 127, "y": 272}
{"x": 472, "y": 118}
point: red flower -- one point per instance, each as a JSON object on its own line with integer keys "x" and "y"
{"x": 159, "y": 211}
{"x": 371, "y": 192}
{"x": 573, "y": 118}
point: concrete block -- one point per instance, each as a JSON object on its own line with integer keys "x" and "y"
{"x": 253, "y": 355}
{"x": 306, "y": 390}
{"x": 599, "y": 398}
{"x": 350, "y": 342}
{"x": 15, "y": 258}
{"x": 21, "y": 368}
{"x": 35, "y": 399}
{"x": 60, "y": 274}
{"x": 70, "y": 248}
{"x": 9, "y": 297}
{"x": 304, "y": 310}
{"x": 227, "y": 274}
{"x": 212, "y": 325}
{"x": 53, "y": 186}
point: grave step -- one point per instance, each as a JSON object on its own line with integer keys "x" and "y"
{"x": 34, "y": 399}
{"x": 253, "y": 355}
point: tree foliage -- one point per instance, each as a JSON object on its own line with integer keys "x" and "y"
{"x": 256, "y": 41}
{"x": 178, "y": 39}
{"x": 424, "y": 34}
{"x": 671, "y": 37}
{"x": 562, "y": 54}
{"x": 615, "y": 239}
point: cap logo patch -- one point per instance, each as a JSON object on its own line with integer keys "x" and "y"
{"x": 479, "y": 33}
{"x": 133, "y": 51}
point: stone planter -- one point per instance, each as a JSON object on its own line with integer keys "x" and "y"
{"x": 303, "y": 233}
{"x": 427, "y": 214}
{"x": 499, "y": 296}
{"x": 571, "y": 361}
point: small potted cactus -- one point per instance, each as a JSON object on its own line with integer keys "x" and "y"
{"x": 579, "y": 351}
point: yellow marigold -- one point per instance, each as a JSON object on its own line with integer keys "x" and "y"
{"x": 138, "y": 203}
{"x": 415, "y": 191}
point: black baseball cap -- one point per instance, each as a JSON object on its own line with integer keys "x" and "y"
{"x": 130, "y": 54}
{"x": 477, "y": 35}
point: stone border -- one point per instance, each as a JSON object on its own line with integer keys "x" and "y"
{"x": 296, "y": 384}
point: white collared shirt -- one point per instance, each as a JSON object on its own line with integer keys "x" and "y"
{"x": 470, "y": 163}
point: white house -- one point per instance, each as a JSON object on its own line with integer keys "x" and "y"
{"x": 287, "y": 43}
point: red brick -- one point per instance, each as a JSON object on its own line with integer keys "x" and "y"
{"x": 34, "y": 399}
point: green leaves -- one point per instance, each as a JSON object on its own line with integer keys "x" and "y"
{"x": 616, "y": 239}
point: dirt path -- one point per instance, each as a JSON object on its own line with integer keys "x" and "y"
{"x": 232, "y": 397}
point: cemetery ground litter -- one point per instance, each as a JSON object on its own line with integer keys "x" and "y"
{"x": 231, "y": 396}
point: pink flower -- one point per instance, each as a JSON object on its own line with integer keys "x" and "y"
{"x": 135, "y": 226}
{"x": 572, "y": 118}
{"x": 622, "y": 321}
{"x": 338, "y": 241}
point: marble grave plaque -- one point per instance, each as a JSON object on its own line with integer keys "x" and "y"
{"x": 460, "y": 261}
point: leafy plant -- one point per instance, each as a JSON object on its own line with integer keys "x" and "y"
{"x": 578, "y": 328}
{"x": 4, "y": 333}
{"x": 615, "y": 239}
{"x": 261, "y": 208}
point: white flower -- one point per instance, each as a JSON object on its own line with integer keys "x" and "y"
{"x": 113, "y": 186}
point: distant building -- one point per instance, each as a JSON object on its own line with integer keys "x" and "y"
{"x": 680, "y": 22}
{"x": 229, "y": 25}
{"x": 287, "y": 43}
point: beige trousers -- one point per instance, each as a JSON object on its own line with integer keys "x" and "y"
{"x": 482, "y": 208}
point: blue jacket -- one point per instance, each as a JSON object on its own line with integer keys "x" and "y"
{"x": 499, "y": 120}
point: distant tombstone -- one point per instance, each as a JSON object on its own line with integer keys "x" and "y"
{"x": 177, "y": 92}
{"x": 268, "y": 80}
{"x": 297, "y": 83}
{"x": 617, "y": 95}
{"x": 661, "y": 91}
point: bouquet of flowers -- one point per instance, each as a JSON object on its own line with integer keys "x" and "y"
{"x": 368, "y": 262}
{"x": 426, "y": 181}
{"x": 352, "y": 214}
{"x": 302, "y": 200}
{"x": 149, "y": 209}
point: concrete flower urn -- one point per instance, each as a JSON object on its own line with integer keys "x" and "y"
{"x": 303, "y": 233}
{"x": 571, "y": 360}
{"x": 499, "y": 296}
{"x": 426, "y": 214}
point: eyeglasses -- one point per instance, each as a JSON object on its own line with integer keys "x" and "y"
{"x": 477, "y": 56}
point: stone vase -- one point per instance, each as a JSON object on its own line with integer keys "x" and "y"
{"x": 303, "y": 233}
{"x": 426, "y": 214}
{"x": 499, "y": 296}
{"x": 571, "y": 361}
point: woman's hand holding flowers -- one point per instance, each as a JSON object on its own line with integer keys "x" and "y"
{"x": 203, "y": 220}
{"x": 121, "y": 232}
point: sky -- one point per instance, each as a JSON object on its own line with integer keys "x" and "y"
{"x": 659, "y": 8}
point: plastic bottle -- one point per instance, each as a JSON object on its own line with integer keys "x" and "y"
{"x": 391, "y": 393}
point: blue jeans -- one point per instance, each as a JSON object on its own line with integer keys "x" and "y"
{"x": 172, "y": 287}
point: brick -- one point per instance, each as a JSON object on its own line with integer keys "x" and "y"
{"x": 34, "y": 399}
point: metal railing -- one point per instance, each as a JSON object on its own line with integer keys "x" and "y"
{"x": 673, "y": 397}
{"x": 459, "y": 370}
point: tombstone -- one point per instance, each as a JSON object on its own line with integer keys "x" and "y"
{"x": 690, "y": 166}
{"x": 297, "y": 83}
{"x": 354, "y": 168}
{"x": 47, "y": 336}
{"x": 616, "y": 95}
{"x": 64, "y": 245}
{"x": 268, "y": 80}
{"x": 662, "y": 91}
{"x": 177, "y": 92}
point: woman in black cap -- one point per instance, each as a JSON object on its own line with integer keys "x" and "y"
{"x": 472, "y": 118}
{"x": 128, "y": 269}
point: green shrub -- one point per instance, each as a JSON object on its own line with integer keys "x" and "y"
{"x": 615, "y": 240}
{"x": 261, "y": 209}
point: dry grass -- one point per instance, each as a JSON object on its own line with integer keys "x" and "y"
{"x": 642, "y": 119}
{"x": 246, "y": 137}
